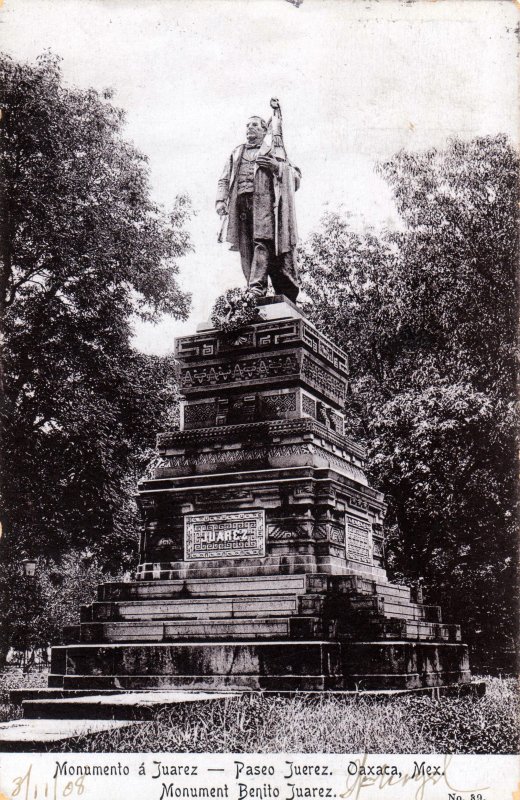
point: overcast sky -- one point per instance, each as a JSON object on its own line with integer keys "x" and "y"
{"x": 357, "y": 80}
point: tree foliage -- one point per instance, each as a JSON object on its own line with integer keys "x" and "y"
{"x": 41, "y": 606}
{"x": 429, "y": 317}
{"x": 84, "y": 248}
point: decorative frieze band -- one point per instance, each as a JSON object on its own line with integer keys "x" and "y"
{"x": 275, "y": 334}
{"x": 251, "y": 456}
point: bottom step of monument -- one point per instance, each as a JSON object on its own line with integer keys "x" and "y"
{"x": 133, "y": 705}
{"x": 275, "y": 666}
{"x": 41, "y": 735}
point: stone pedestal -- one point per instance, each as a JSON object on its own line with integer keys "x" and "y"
{"x": 262, "y": 558}
{"x": 260, "y": 478}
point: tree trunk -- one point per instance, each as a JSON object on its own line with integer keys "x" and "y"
{"x": 5, "y": 272}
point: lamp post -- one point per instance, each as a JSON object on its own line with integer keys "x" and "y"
{"x": 29, "y": 567}
{"x": 29, "y": 570}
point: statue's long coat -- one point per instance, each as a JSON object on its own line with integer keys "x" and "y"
{"x": 263, "y": 202}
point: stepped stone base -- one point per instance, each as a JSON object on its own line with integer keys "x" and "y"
{"x": 262, "y": 552}
{"x": 275, "y": 666}
{"x": 309, "y": 632}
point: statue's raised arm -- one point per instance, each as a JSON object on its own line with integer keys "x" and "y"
{"x": 255, "y": 199}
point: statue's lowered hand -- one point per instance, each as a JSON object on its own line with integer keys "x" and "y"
{"x": 221, "y": 208}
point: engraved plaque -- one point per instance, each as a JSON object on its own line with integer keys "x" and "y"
{"x": 237, "y": 534}
{"x": 358, "y": 539}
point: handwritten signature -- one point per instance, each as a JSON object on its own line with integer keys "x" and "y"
{"x": 364, "y": 776}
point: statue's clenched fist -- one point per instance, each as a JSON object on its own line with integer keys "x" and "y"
{"x": 268, "y": 162}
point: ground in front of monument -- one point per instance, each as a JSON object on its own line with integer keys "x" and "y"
{"x": 259, "y": 723}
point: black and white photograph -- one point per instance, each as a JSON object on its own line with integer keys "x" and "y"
{"x": 258, "y": 399}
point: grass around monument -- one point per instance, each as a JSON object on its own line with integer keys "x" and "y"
{"x": 15, "y": 679}
{"x": 270, "y": 724}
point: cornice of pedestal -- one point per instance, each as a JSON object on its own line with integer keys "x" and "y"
{"x": 263, "y": 432}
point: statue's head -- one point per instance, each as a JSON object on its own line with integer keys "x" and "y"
{"x": 256, "y": 128}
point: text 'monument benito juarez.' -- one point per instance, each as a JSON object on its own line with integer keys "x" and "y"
{"x": 256, "y": 199}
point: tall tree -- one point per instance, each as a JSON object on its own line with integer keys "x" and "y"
{"x": 84, "y": 248}
{"x": 429, "y": 315}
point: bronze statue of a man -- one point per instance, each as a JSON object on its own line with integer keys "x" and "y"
{"x": 256, "y": 190}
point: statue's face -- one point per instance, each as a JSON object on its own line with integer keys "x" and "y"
{"x": 254, "y": 131}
